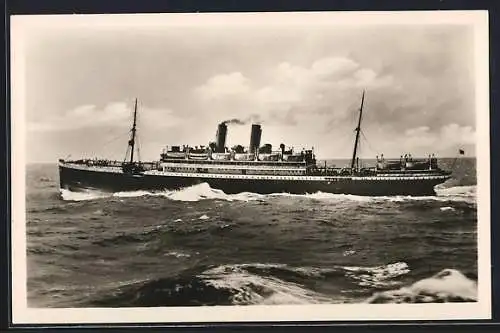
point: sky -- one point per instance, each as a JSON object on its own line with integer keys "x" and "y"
{"x": 302, "y": 82}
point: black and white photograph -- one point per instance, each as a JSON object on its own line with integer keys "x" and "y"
{"x": 250, "y": 167}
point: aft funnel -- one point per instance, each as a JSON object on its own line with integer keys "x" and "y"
{"x": 255, "y": 138}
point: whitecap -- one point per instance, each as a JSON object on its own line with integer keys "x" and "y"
{"x": 254, "y": 289}
{"x": 445, "y": 286}
{"x": 131, "y": 194}
{"x": 68, "y": 195}
{"x": 177, "y": 254}
{"x": 326, "y": 196}
{"x": 377, "y": 276}
{"x": 205, "y": 192}
{"x": 348, "y": 253}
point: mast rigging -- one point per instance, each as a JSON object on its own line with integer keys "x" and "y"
{"x": 358, "y": 129}
{"x": 131, "y": 142}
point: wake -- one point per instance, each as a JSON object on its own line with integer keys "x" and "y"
{"x": 205, "y": 192}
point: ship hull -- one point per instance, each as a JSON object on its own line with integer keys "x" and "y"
{"x": 76, "y": 179}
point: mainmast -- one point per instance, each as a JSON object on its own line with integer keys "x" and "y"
{"x": 131, "y": 142}
{"x": 358, "y": 129}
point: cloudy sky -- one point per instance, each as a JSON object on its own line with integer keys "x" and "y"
{"x": 302, "y": 82}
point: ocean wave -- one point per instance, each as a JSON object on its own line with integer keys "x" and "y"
{"x": 193, "y": 193}
{"x": 85, "y": 195}
{"x": 449, "y": 285}
{"x": 455, "y": 193}
{"x": 248, "y": 288}
{"x": 273, "y": 284}
{"x": 378, "y": 276}
{"x": 205, "y": 192}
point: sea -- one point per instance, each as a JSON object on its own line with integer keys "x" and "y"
{"x": 201, "y": 247}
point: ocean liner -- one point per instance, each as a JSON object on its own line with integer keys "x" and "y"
{"x": 255, "y": 168}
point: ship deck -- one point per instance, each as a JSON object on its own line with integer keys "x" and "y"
{"x": 380, "y": 176}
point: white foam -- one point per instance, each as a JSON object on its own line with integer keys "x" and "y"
{"x": 447, "y": 208}
{"x": 83, "y": 195}
{"x": 378, "y": 275}
{"x": 254, "y": 289}
{"x": 456, "y": 193}
{"x": 131, "y": 194}
{"x": 326, "y": 196}
{"x": 204, "y": 217}
{"x": 177, "y": 254}
{"x": 205, "y": 192}
{"x": 465, "y": 190}
{"x": 447, "y": 285}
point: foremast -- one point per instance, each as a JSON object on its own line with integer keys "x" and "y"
{"x": 131, "y": 166}
{"x": 131, "y": 142}
{"x": 358, "y": 130}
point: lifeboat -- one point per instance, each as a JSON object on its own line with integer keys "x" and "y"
{"x": 418, "y": 165}
{"x": 221, "y": 156}
{"x": 389, "y": 165}
{"x": 269, "y": 157}
{"x": 244, "y": 157}
{"x": 174, "y": 155}
{"x": 198, "y": 154}
{"x": 293, "y": 157}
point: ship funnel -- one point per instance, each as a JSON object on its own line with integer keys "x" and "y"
{"x": 220, "y": 139}
{"x": 255, "y": 138}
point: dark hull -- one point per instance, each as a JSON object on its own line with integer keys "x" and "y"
{"x": 77, "y": 179}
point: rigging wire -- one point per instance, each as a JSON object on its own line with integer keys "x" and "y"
{"x": 107, "y": 143}
{"x": 138, "y": 149}
{"x": 368, "y": 143}
{"x": 115, "y": 138}
{"x": 138, "y": 119}
{"x": 126, "y": 154}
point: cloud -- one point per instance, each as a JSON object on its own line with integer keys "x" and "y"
{"x": 455, "y": 134}
{"x": 318, "y": 103}
{"x": 422, "y": 140}
{"x": 112, "y": 115}
{"x": 450, "y": 135}
{"x": 303, "y": 85}
{"x": 225, "y": 86}
{"x": 290, "y": 93}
